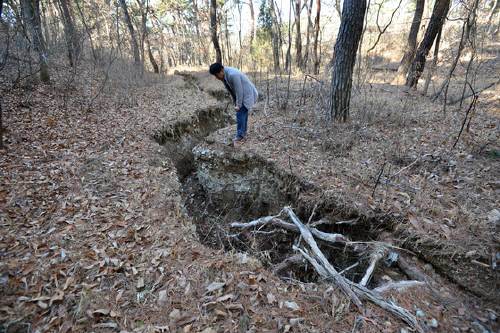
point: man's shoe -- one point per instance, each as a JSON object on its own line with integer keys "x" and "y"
{"x": 239, "y": 139}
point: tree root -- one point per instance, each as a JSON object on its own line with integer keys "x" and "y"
{"x": 354, "y": 291}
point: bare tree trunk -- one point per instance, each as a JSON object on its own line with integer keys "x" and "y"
{"x": 143, "y": 28}
{"x": 434, "y": 63}
{"x": 131, "y": 30}
{"x": 316, "y": 35}
{"x": 145, "y": 35}
{"x": 436, "y": 22}
{"x": 308, "y": 34}
{"x": 226, "y": 37}
{"x": 494, "y": 9}
{"x": 464, "y": 39}
{"x": 351, "y": 26}
{"x": 279, "y": 24}
{"x": 200, "y": 41}
{"x": 275, "y": 38}
{"x": 288, "y": 59}
{"x": 213, "y": 30}
{"x": 240, "y": 59}
{"x": 89, "y": 34}
{"x": 411, "y": 44}
{"x": 152, "y": 58}
{"x": 31, "y": 15}
{"x": 44, "y": 19}
{"x": 70, "y": 32}
{"x": 298, "y": 37}
{"x": 252, "y": 22}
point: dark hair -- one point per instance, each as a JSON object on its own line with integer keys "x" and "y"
{"x": 215, "y": 68}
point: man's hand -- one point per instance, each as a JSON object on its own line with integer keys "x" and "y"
{"x": 236, "y": 109}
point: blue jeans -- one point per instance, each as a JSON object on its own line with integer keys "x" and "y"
{"x": 241, "y": 120}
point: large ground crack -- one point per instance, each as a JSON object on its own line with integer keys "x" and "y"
{"x": 222, "y": 184}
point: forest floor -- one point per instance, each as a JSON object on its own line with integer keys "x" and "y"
{"x": 96, "y": 236}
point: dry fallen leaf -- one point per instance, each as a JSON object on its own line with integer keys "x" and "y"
{"x": 215, "y": 286}
{"x": 102, "y": 312}
{"x": 140, "y": 283}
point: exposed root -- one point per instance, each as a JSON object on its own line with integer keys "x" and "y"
{"x": 354, "y": 291}
{"x": 288, "y": 262}
{"x": 340, "y": 281}
{"x": 376, "y": 256}
{"x": 274, "y": 220}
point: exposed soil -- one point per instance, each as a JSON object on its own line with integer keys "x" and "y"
{"x": 244, "y": 183}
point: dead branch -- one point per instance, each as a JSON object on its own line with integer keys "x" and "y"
{"x": 325, "y": 269}
{"x": 319, "y": 269}
{"x": 381, "y": 31}
{"x": 411, "y": 271}
{"x": 398, "y": 286}
{"x": 472, "y": 94}
{"x": 338, "y": 279}
{"x": 396, "y": 310}
{"x": 367, "y": 294}
{"x": 274, "y": 220}
{"x": 378, "y": 178}
{"x": 324, "y": 221}
{"x": 472, "y": 107}
{"x": 290, "y": 261}
{"x": 406, "y": 167}
{"x": 376, "y": 256}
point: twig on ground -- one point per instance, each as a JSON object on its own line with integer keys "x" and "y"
{"x": 411, "y": 271}
{"x": 406, "y": 167}
{"x": 378, "y": 178}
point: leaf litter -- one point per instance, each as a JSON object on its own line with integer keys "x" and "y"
{"x": 95, "y": 237}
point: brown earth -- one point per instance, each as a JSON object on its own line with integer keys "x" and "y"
{"x": 96, "y": 236}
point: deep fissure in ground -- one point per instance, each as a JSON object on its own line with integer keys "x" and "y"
{"x": 222, "y": 185}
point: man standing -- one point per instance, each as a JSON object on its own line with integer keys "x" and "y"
{"x": 242, "y": 91}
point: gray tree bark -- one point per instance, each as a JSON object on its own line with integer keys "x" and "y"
{"x": 411, "y": 44}
{"x": 252, "y": 22}
{"x": 316, "y": 36}
{"x": 433, "y": 64}
{"x": 72, "y": 42}
{"x": 30, "y": 11}
{"x": 351, "y": 26}
{"x": 213, "y": 30}
{"x": 435, "y": 24}
{"x": 131, "y": 30}
{"x": 275, "y": 38}
{"x": 308, "y": 34}
{"x": 298, "y": 38}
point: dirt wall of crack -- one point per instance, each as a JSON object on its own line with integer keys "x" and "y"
{"x": 222, "y": 185}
